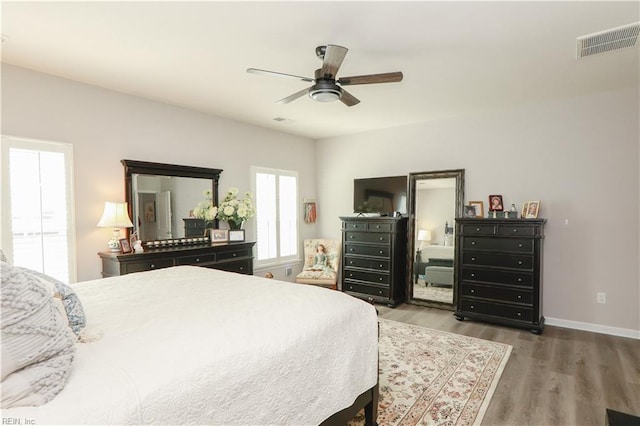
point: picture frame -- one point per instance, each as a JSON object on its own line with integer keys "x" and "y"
{"x": 469, "y": 211}
{"x": 533, "y": 207}
{"x": 479, "y": 207}
{"x": 525, "y": 206}
{"x": 125, "y": 246}
{"x": 236, "y": 235}
{"x": 219, "y": 235}
{"x": 495, "y": 203}
{"x": 150, "y": 211}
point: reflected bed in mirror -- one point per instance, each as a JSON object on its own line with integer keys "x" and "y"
{"x": 435, "y": 200}
{"x": 162, "y": 196}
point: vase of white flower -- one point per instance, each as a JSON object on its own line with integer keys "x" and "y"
{"x": 235, "y": 211}
{"x": 205, "y": 210}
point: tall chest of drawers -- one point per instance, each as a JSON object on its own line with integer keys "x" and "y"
{"x": 374, "y": 258}
{"x": 498, "y": 269}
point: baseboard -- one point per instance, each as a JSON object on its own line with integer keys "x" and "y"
{"x": 596, "y": 328}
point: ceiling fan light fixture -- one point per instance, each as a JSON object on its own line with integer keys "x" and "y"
{"x": 325, "y": 95}
{"x": 325, "y": 91}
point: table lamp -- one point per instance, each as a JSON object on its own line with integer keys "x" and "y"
{"x": 424, "y": 235}
{"x": 115, "y": 216}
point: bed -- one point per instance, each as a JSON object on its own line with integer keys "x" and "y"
{"x": 191, "y": 345}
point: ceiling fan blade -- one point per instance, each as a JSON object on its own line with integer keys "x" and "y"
{"x": 389, "y": 77}
{"x": 294, "y": 96}
{"x": 278, "y": 74}
{"x": 348, "y": 99}
{"x": 333, "y": 57}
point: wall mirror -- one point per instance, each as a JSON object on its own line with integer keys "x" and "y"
{"x": 435, "y": 200}
{"x": 161, "y": 196}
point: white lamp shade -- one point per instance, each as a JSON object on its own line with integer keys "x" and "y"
{"x": 115, "y": 215}
{"x": 424, "y": 235}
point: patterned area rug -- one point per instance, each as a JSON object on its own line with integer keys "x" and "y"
{"x": 430, "y": 377}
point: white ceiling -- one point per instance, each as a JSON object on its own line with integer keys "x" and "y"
{"x": 456, "y": 57}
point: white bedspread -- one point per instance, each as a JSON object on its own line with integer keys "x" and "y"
{"x": 190, "y": 345}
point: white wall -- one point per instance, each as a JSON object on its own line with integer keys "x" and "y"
{"x": 105, "y": 127}
{"x": 578, "y": 156}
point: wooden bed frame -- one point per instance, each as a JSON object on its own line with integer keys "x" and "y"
{"x": 367, "y": 400}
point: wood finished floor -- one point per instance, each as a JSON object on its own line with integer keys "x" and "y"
{"x": 562, "y": 377}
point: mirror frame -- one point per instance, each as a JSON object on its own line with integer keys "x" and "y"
{"x": 458, "y": 174}
{"x": 132, "y": 167}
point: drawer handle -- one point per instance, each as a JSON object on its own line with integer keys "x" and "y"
{"x": 197, "y": 259}
{"x": 351, "y": 236}
{"x": 242, "y": 268}
{"x": 153, "y": 265}
{"x": 381, "y": 252}
{"x": 351, "y": 262}
{"x": 473, "y": 243}
{"x": 519, "y": 245}
{"x": 350, "y": 249}
{"x": 471, "y": 307}
{"x": 515, "y": 230}
{"x": 380, "y": 279}
{"x": 380, "y": 266}
{"x": 478, "y": 229}
{"x": 519, "y": 297}
{"x": 235, "y": 254}
{"x": 519, "y": 262}
{"x": 350, "y": 287}
{"x": 519, "y": 280}
{"x": 350, "y": 275}
{"x": 381, "y": 238}
{"x": 473, "y": 291}
{"x": 519, "y": 314}
{"x": 378, "y": 227}
{"x": 379, "y": 291}
{"x": 473, "y": 258}
{"x": 473, "y": 275}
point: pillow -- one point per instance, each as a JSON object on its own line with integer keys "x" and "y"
{"x": 38, "y": 346}
{"x": 72, "y": 305}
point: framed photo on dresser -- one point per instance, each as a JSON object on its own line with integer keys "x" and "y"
{"x": 495, "y": 203}
{"x": 236, "y": 235}
{"x": 532, "y": 209}
{"x": 125, "y": 246}
{"x": 479, "y": 207}
{"x": 219, "y": 235}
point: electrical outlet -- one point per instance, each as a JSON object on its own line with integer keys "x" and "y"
{"x": 287, "y": 270}
{"x": 602, "y": 298}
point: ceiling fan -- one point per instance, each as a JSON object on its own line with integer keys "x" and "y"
{"x": 326, "y": 87}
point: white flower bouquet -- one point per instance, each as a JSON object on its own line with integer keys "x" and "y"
{"x": 205, "y": 209}
{"x": 236, "y": 210}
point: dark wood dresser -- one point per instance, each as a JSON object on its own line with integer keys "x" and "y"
{"x": 374, "y": 258}
{"x": 498, "y": 267}
{"x": 232, "y": 257}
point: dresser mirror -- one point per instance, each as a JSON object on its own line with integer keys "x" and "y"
{"x": 435, "y": 200}
{"x": 161, "y": 196}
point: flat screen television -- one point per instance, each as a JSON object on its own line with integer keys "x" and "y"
{"x": 381, "y": 195}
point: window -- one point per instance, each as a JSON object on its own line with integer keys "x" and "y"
{"x": 276, "y": 196}
{"x": 37, "y": 206}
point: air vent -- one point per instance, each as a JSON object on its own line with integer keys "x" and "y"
{"x": 609, "y": 40}
{"x": 284, "y": 120}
